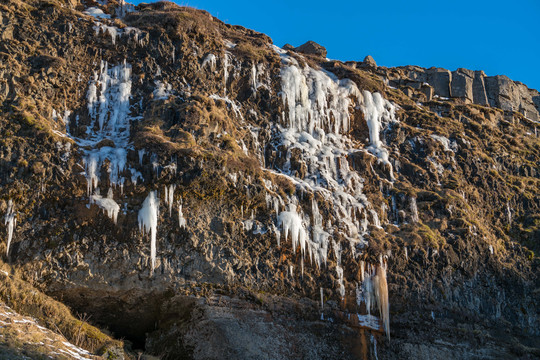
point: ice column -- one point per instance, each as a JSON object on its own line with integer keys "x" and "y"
{"x": 148, "y": 219}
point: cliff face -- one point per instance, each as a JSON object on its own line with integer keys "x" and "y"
{"x": 205, "y": 194}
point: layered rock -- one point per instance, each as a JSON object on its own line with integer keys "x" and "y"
{"x": 470, "y": 87}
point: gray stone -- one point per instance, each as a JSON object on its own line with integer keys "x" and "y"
{"x": 312, "y": 48}
{"x": 512, "y": 96}
{"x": 440, "y": 79}
{"x": 502, "y": 92}
{"x": 414, "y": 84}
{"x": 462, "y": 84}
{"x": 415, "y": 73}
{"x": 479, "y": 89}
{"x": 369, "y": 61}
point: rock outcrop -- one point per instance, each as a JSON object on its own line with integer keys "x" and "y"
{"x": 471, "y": 87}
{"x": 312, "y": 48}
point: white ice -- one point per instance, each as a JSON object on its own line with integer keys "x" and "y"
{"x": 148, "y": 221}
{"x": 108, "y": 97}
{"x": 10, "y": 221}
{"x": 97, "y": 13}
{"x": 108, "y": 205}
{"x": 181, "y": 220}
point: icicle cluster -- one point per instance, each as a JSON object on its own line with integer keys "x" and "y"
{"x": 108, "y": 98}
{"x": 374, "y": 292}
{"x": 10, "y": 222}
{"x": 148, "y": 221}
{"x": 378, "y": 112}
{"x": 316, "y": 122}
{"x": 291, "y": 223}
{"x": 317, "y": 119}
{"x": 169, "y": 197}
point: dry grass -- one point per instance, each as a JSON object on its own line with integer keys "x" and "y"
{"x": 27, "y": 300}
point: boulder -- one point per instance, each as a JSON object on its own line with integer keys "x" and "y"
{"x": 312, "y": 48}
{"x": 288, "y": 47}
{"x": 369, "y": 61}
{"x": 440, "y": 79}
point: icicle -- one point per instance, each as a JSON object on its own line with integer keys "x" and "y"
{"x": 508, "y": 213}
{"x": 254, "y": 84}
{"x": 171, "y": 198}
{"x": 373, "y": 341}
{"x": 322, "y": 300}
{"x": 10, "y": 222}
{"x": 377, "y": 110}
{"x": 381, "y": 294}
{"x": 148, "y": 221}
{"x": 181, "y": 220}
{"x": 141, "y": 155}
{"x": 225, "y": 72}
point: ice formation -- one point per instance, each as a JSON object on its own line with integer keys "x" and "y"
{"x": 226, "y": 62}
{"x": 316, "y": 122}
{"x": 113, "y": 31}
{"x": 141, "y": 153}
{"x": 378, "y": 112}
{"x": 97, "y": 13}
{"x": 291, "y": 223}
{"x": 107, "y": 204}
{"x": 374, "y": 291}
{"x": 446, "y": 143}
{"x": 169, "y": 197}
{"x": 210, "y": 61}
{"x": 162, "y": 91}
{"x": 229, "y": 102}
{"x": 10, "y": 222}
{"x": 124, "y": 8}
{"x": 181, "y": 219}
{"x": 148, "y": 221}
{"x": 108, "y": 99}
{"x": 339, "y": 269}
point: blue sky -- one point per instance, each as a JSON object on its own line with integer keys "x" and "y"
{"x": 499, "y": 37}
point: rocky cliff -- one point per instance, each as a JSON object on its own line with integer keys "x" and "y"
{"x": 201, "y": 193}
